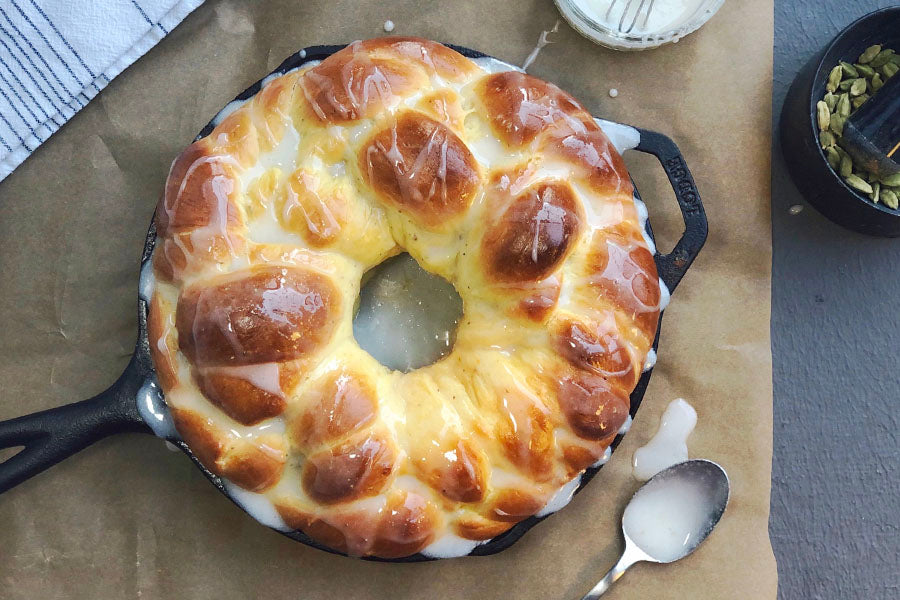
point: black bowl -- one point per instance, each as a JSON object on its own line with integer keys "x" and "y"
{"x": 806, "y": 161}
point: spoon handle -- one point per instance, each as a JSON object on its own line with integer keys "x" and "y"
{"x": 625, "y": 561}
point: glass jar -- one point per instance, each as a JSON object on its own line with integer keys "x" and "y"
{"x": 606, "y": 22}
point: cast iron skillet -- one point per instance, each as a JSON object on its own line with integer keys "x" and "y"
{"x": 53, "y": 435}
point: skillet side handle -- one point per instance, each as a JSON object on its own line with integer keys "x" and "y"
{"x": 52, "y": 435}
{"x": 674, "y": 265}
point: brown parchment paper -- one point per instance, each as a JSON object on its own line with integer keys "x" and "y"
{"x": 128, "y": 518}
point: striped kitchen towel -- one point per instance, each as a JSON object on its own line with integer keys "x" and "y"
{"x": 55, "y": 55}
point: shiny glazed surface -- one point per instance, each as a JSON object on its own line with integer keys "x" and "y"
{"x": 500, "y": 183}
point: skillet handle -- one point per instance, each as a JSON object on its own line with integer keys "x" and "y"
{"x": 674, "y": 265}
{"x": 52, "y": 435}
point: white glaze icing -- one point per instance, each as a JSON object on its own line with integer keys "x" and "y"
{"x": 266, "y": 230}
{"x": 650, "y": 361}
{"x": 543, "y": 40}
{"x": 607, "y": 454}
{"x": 283, "y": 156}
{"x": 147, "y": 281}
{"x": 669, "y": 446}
{"x": 643, "y": 217}
{"x": 229, "y": 108}
{"x": 257, "y": 506}
{"x": 664, "y": 295}
{"x": 626, "y": 426}
{"x": 668, "y": 517}
{"x": 265, "y": 376}
{"x": 494, "y": 65}
{"x": 561, "y": 498}
{"x": 622, "y": 137}
{"x": 153, "y": 410}
{"x": 450, "y": 546}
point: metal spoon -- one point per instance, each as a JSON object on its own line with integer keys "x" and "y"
{"x": 669, "y": 516}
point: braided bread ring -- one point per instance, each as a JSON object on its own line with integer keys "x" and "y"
{"x": 499, "y": 182}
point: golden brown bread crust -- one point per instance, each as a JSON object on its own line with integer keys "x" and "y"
{"x": 356, "y": 468}
{"x": 479, "y": 528}
{"x": 319, "y": 216}
{"x": 270, "y": 314}
{"x": 342, "y": 403}
{"x": 532, "y": 236}
{"x": 239, "y": 398}
{"x": 200, "y": 190}
{"x": 526, "y": 433}
{"x": 159, "y": 328}
{"x": 594, "y": 408}
{"x": 596, "y": 161}
{"x": 623, "y": 272}
{"x": 520, "y": 107}
{"x": 403, "y": 525}
{"x": 369, "y": 76}
{"x": 352, "y": 85}
{"x": 499, "y": 182}
{"x": 599, "y": 349}
{"x": 422, "y": 167}
{"x": 455, "y": 470}
{"x": 514, "y": 504}
{"x": 254, "y": 465}
{"x": 408, "y": 525}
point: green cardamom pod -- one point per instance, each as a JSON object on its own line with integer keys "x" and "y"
{"x": 846, "y": 84}
{"x": 889, "y": 198}
{"x": 857, "y": 183}
{"x": 834, "y": 159}
{"x": 891, "y": 180}
{"x": 836, "y": 124}
{"x": 826, "y": 138}
{"x": 849, "y": 70}
{"x": 877, "y": 82}
{"x": 865, "y": 70}
{"x": 834, "y": 79}
{"x": 870, "y": 53}
{"x": 843, "y": 105}
{"x": 858, "y": 86}
{"x": 896, "y": 59}
{"x": 859, "y": 100}
{"x": 831, "y": 101}
{"x": 883, "y": 58}
{"x": 845, "y": 169}
{"x": 876, "y": 192}
{"x": 823, "y": 115}
{"x": 889, "y": 70}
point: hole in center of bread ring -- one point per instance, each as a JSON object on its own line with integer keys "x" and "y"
{"x": 407, "y": 317}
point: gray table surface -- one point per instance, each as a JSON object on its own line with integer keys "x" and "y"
{"x": 835, "y": 522}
